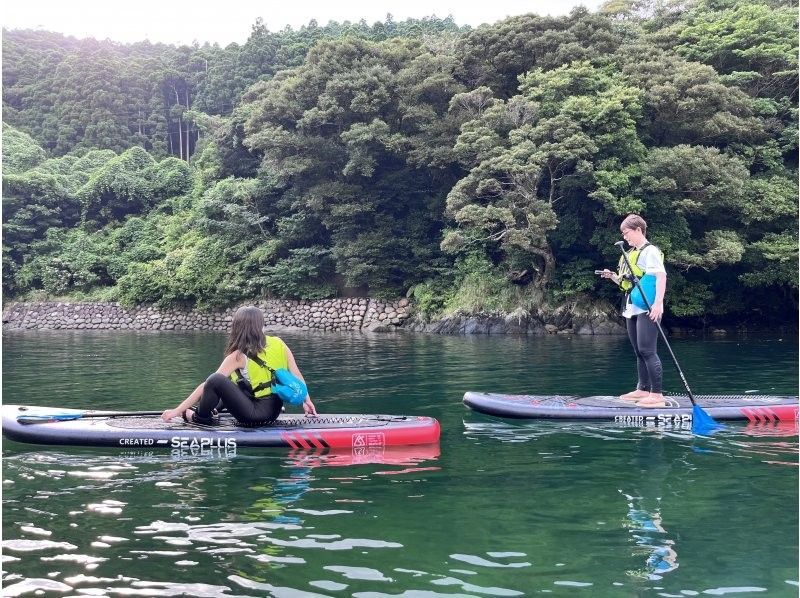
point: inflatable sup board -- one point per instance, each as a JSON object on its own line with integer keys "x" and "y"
{"x": 755, "y": 408}
{"x": 53, "y": 426}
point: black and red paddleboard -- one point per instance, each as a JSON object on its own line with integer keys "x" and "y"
{"x": 755, "y": 408}
{"x": 44, "y": 425}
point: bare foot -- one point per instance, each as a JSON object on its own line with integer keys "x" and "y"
{"x": 652, "y": 401}
{"x": 635, "y": 395}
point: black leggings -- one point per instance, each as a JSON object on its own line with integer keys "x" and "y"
{"x": 243, "y": 407}
{"x": 643, "y": 333}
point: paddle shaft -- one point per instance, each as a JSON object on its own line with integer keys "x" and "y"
{"x": 32, "y": 418}
{"x": 658, "y": 323}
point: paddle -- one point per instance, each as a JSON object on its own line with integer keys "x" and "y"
{"x": 32, "y": 418}
{"x": 702, "y": 422}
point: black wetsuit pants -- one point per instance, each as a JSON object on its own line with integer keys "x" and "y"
{"x": 643, "y": 333}
{"x": 220, "y": 391}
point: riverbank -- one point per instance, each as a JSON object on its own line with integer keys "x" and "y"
{"x": 344, "y": 314}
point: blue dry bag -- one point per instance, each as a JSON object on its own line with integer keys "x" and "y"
{"x": 648, "y": 284}
{"x": 289, "y": 387}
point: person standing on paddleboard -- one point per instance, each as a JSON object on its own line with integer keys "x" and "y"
{"x": 648, "y": 264}
{"x": 244, "y": 381}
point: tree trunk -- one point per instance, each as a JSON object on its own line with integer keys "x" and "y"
{"x": 187, "y": 125}
{"x": 180, "y": 124}
{"x": 549, "y": 265}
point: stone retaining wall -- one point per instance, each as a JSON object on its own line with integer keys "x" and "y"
{"x": 344, "y": 314}
{"x": 327, "y": 314}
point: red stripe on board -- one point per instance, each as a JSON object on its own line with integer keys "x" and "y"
{"x": 772, "y": 415}
{"x": 785, "y": 412}
{"x": 288, "y": 439}
{"x": 301, "y": 441}
{"x": 311, "y": 437}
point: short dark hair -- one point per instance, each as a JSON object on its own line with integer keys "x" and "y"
{"x": 632, "y": 222}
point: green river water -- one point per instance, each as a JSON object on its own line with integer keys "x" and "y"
{"x": 498, "y": 508}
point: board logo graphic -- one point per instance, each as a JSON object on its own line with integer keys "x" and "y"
{"x": 369, "y": 440}
{"x": 368, "y": 446}
{"x": 180, "y": 442}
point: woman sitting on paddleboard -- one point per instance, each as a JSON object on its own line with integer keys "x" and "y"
{"x": 243, "y": 383}
{"x": 647, "y": 261}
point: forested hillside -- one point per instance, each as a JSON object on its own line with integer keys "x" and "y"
{"x": 473, "y": 169}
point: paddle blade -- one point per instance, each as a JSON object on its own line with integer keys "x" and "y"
{"x": 702, "y": 422}
{"x": 43, "y": 419}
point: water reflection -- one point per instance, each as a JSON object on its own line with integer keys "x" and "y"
{"x": 645, "y": 526}
{"x": 386, "y": 455}
{"x": 644, "y": 511}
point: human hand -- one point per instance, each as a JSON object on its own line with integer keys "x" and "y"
{"x": 608, "y": 274}
{"x": 656, "y": 311}
{"x": 308, "y": 407}
{"x": 170, "y": 414}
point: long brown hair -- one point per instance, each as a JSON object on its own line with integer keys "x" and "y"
{"x": 247, "y": 332}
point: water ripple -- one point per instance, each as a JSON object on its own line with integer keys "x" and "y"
{"x": 33, "y": 545}
{"x": 283, "y": 560}
{"x": 81, "y": 559}
{"x": 412, "y": 594}
{"x": 364, "y": 573}
{"x": 468, "y": 587}
{"x": 276, "y": 591}
{"x": 322, "y": 512}
{"x": 482, "y": 562}
{"x": 30, "y": 529}
{"x": 344, "y": 544}
{"x": 573, "y": 584}
{"x": 733, "y": 590}
{"x": 34, "y": 585}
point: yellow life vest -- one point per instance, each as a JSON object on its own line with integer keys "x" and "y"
{"x": 260, "y": 369}
{"x": 623, "y": 271}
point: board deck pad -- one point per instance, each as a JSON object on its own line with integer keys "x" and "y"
{"x": 228, "y": 423}
{"x": 293, "y": 431}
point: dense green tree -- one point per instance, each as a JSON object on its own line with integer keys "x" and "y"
{"x": 556, "y": 144}
{"x": 20, "y": 151}
{"x": 120, "y": 187}
{"x": 687, "y": 102}
{"x": 496, "y": 55}
{"x": 753, "y": 42}
{"x": 39, "y": 199}
{"x": 356, "y": 141}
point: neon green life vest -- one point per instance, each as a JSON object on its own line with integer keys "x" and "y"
{"x": 623, "y": 271}
{"x": 272, "y": 357}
